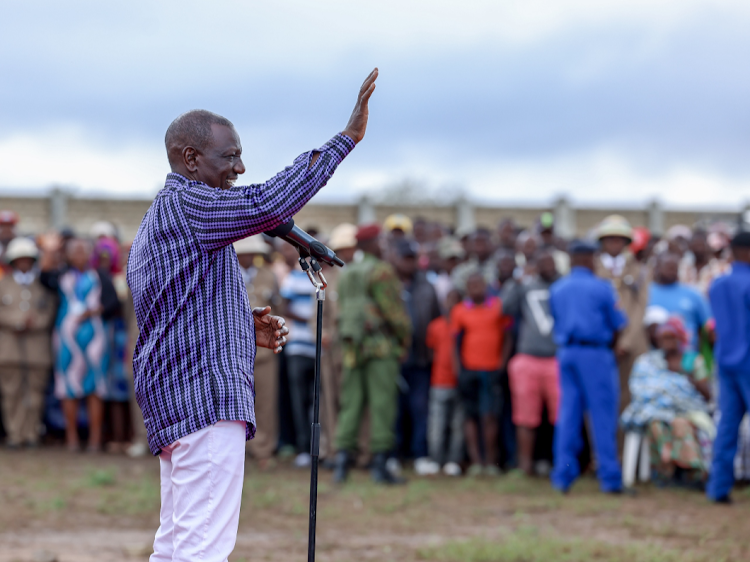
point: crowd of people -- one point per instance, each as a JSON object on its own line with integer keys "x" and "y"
{"x": 467, "y": 353}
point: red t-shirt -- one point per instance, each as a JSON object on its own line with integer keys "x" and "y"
{"x": 481, "y": 328}
{"x": 440, "y": 339}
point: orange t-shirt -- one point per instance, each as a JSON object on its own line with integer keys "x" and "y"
{"x": 481, "y": 328}
{"x": 440, "y": 339}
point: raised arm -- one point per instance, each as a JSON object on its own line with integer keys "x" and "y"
{"x": 218, "y": 217}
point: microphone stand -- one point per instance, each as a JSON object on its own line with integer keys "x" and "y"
{"x": 314, "y": 273}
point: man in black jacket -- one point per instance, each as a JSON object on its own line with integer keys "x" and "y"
{"x": 422, "y": 303}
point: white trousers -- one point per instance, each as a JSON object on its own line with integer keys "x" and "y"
{"x": 201, "y": 491}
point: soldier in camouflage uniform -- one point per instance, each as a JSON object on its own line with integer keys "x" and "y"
{"x": 374, "y": 329}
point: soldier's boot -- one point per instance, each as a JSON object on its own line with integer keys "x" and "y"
{"x": 341, "y": 467}
{"x": 380, "y": 474}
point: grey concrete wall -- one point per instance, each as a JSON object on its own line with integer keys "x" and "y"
{"x": 42, "y": 213}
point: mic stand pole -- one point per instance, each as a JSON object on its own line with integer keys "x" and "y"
{"x": 316, "y": 277}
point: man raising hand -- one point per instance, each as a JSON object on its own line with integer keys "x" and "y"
{"x": 193, "y": 360}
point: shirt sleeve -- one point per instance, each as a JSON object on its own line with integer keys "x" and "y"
{"x": 219, "y": 217}
{"x": 511, "y": 299}
{"x": 702, "y": 309}
{"x": 430, "y": 338}
{"x": 615, "y": 316}
{"x": 385, "y": 289}
{"x": 456, "y": 321}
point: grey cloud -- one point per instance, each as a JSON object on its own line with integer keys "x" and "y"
{"x": 661, "y": 102}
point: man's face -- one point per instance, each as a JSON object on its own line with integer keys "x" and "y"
{"x": 221, "y": 162}
{"x": 7, "y": 232}
{"x": 290, "y": 254}
{"x": 699, "y": 245}
{"x": 679, "y": 246}
{"x": 669, "y": 269}
{"x": 505, "y": 268}
{"x": 246, "y": 260}
{"x": 78, "y": 254}
{"x": 476, "y": 288}
{"x": 668, "y": 342}
{"x": 528, "y": 248}
{"x": 548, "y": 236}
{"x": 450, "y": 264}
{"x": 435, "y": 232}
{"x": 482, "y": 247}
{"x": 407, "y": 266}
{"x": 346, "y": 254}
{"x": 614, "y": 245}
{"x": 23, "y": 265}
{"x": 507, "y": 234}
{"x": 434, "y": 262}
{"x": 546, "y": 266}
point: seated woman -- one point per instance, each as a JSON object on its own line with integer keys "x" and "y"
{"x": 670, "y": 392}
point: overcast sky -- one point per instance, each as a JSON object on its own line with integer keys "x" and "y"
{"x": 523, "y": 100}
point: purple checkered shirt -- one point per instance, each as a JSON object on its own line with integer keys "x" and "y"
{"x": 193, "y": 360}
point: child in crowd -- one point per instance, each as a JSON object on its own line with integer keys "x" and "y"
{"x": 446, "y": 417}
{"x": 479, "y": 325}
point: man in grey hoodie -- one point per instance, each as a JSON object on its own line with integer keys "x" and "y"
{"x": 533, "y": 370}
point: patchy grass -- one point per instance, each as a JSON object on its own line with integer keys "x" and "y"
{"x": 507, "y": 519}
{"x": 98, "y": 478}
{"x": 132, "y": 498}
{"x": 528, "y": 546}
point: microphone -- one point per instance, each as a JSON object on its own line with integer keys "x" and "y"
{"x": 306, "y": 244}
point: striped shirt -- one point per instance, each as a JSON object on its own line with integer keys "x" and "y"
{"x": 193, "y": 361}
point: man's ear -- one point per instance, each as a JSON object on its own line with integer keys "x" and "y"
{"x": 190, "y": 157}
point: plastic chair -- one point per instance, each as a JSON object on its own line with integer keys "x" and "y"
{"x": 635, "y": 455}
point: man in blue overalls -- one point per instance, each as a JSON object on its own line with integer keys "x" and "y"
{"x": 730, "y": 303}
{"x": 587, "y": 321}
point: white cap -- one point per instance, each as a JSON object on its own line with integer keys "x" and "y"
{"x": 679, "y": 231}
{"x": 21, "y": 248}
{"x": 343, "y": 236}
{"x": 252, "y": 245}
{"x": 655, "y": 315}
{"x": 102, "y": 228}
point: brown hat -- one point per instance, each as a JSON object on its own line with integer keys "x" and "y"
{"x": 343, "y": 236}
{"x": 368, "y": 232}
{"x": 252, "y": 245}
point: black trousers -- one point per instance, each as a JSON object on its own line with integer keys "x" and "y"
{"x": 301, "y": 373}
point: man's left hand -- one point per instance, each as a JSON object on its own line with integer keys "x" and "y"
{"x": 270, "y": 331}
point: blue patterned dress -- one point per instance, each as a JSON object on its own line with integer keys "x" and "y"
{"x": 81, "y": 346}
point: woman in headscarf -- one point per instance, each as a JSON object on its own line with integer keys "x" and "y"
{"x": 670, "y": 393}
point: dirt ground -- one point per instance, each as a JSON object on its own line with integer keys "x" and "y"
{"x": 83, "y": 508}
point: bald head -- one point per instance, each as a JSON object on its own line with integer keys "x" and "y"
{"x": 205, "y": 147}
{"x": 191, "y": 129}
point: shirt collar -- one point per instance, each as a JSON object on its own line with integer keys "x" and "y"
{"x": 740, "y": 265}
{"x": 616, "y": 264}
{"x": 24, "y": 278}
{"x": 174, "y": 178}
{"x": 580, "y": 270}
{"x": 468, "y": 303}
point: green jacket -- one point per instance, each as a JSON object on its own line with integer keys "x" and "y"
{"x": 373, "y": 321}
